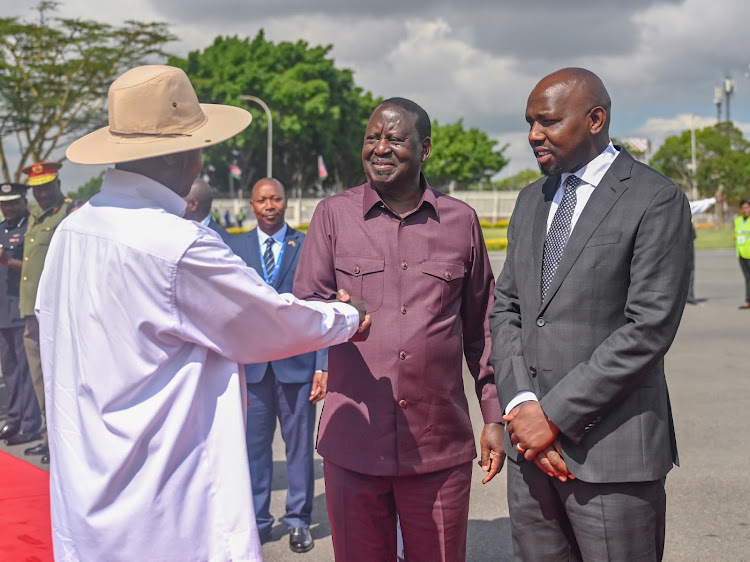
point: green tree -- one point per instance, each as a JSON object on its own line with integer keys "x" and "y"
{"x": 54, "y": 77}
{"x": 88, "y": 189}
{"x": 722, "y": 157}
{"x": 316, "y": 108}
{"x": 462, "y": 156}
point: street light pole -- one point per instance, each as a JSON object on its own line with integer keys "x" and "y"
{"x": 269, "y": 153}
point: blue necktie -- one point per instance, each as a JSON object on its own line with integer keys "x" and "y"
{"x": 559, "y": 232}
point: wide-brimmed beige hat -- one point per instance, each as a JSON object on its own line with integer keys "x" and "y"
{"x": 153, "y": 111}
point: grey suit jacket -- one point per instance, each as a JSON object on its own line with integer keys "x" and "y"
{"x": 593, "y": 353}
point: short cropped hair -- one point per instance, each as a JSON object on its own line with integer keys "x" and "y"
{"x": 424, "y": 127}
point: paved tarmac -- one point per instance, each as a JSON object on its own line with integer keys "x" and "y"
{"x": 707, "y": 497}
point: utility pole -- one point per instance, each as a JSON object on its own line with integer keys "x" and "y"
{"x": 693, "y": 162}
{"x": 717, "y": 102}
{"x": 728, "y": 90}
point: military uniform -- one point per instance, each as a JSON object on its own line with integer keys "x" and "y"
{"x": 23, "y": 422}
{"x": 42, "y": 226}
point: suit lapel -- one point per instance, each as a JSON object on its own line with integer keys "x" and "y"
{"x": 252, "y": 251}
{"x": 291, "y": 247}
{"x": 606, "y": 194}
{"x": 540, "y": 232}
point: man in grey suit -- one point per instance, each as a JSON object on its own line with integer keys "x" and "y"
{"x": 587, "y": 305}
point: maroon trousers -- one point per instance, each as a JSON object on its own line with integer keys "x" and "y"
{"x": 433, "y": 510}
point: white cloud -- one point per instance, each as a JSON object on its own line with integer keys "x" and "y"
{"x": 479, "y": 59}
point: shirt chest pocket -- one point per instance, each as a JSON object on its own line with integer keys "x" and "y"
{"x": 363, "y": 278}
{"x": 443, "y": 281}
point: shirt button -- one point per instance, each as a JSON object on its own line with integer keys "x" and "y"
{"x": 402, "y": 403}
{"x": 26, "y": 258}
{"x": 402, "y": 355}
{"x": 448, "y": 275}
{"x": 403, "y": 309}
{"x": 540, "y": 322}
{"x": 404, "y": 265}
{"x": 533, "y": 371}
{"x": 355, "y": 270}
{"x": 25, "y": 278}
{"x": 32, "y": 240}
{"x": 403, "y": 222}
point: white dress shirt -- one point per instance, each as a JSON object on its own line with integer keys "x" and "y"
{"x": 144, "y": 317}
{"x": 591, "y": 175}
{"x": 278, "y": 242}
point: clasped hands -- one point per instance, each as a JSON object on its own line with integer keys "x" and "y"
{"x": 534, "y": 435}
{"x": 364, "y": 319}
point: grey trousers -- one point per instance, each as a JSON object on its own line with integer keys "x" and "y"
{"x": 580, "y": 521}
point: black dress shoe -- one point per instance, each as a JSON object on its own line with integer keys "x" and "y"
{"x": 21, "y": 438}
{"x": 300, "y": 539}
{"x": 45, "y": 459}
{"x": 40, "y": 449}
{"x": 9, "y": 430}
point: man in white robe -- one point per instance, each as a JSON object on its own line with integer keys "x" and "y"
{"x": 144, "y": 317}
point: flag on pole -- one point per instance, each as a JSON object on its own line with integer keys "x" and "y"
{"x": 234, "y": 169}
{"x": 322, "y": 172}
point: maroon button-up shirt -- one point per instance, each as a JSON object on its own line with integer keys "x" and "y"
{"x": 396, "y": 402}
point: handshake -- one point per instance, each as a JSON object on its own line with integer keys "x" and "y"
{"x": 364, "y": 319}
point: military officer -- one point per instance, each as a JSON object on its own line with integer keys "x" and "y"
{"x": 24, "y": 421}
{"x": 43, "y": 221}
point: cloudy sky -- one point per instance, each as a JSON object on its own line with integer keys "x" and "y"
{"x": 479, "y": 59}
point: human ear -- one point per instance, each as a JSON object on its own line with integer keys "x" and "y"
{"x": 598, "y": 117}
{"x": 426, "y": 148}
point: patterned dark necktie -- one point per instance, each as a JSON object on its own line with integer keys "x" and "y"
{"x": 559, "y": 232}
{"x": 268, "y": 260}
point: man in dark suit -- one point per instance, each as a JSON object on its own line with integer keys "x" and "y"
{"x": 287, "y": 389}
{"x": 199, "y": 202}
{"x": 24, "y": 421}
{"x": 587, "y": 305}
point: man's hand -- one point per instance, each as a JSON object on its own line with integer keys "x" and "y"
{"x": 529, "y": 429}
{"x": 319, "y": 386}
{"x": 492, "y": 456}
{"x": 550, "y": 461}
{"x": 364, "y": 319}
{"x": 3, "y": 257}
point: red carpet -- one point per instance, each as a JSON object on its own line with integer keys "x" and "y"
{"x": 25, "y": 532}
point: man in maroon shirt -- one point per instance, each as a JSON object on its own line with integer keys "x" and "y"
{"x": 395, "y": 432}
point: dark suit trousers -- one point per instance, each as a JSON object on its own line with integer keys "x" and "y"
{"x": 433, "y": 511}
{"x": 23, "y": 407}
{"x": 289, "y": 402}
{"x": 575, "y": 520}
{"x": 745, "y": 267}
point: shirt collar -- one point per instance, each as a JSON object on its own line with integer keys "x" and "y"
{"x": 278, "y": 236}
{"x": 206, "y": 221}
{"x": 145, "y": 191}
{"x": 372, "y": 198}
{"x": 593, "y": 172}
{"x": 19, "y": 222}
